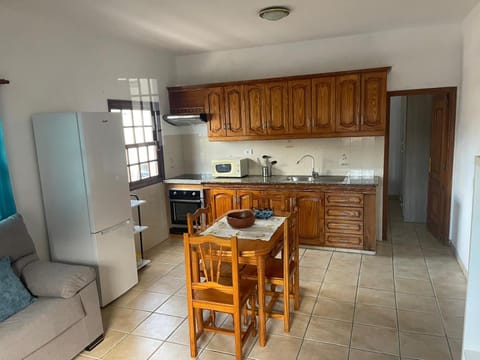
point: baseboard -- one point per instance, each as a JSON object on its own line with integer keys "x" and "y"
{"x": 459, "y": 261}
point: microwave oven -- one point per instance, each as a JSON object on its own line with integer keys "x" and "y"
{"x": 233, "y": 168}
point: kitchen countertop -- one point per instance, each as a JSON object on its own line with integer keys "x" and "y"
{"x": 276, "y": 179}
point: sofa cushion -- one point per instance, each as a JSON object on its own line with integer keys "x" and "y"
{"x": 14, "y": 238}
{"x": 36, "y": 325}
{"x": 13, "y": 295}
{"x": 44, "y": 278}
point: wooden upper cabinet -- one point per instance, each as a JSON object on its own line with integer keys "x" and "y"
{"x": 255, "y": 120}
{"x": 323, "y": 105}
{"x": 185, "y": 101}
{"x": 276, "y": 105}
{"x": 347, "y": 103}
{"x": 300, "y": 106}
{"x": 215, "y": 109}
{"x": 340, "y": 104}
{"x": 374, "y": 101}
{"x": 234, "y": 110}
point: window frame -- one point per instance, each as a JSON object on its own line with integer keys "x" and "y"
{"x": 153, "y": 107}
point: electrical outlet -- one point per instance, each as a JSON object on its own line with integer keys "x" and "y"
{"x": 343, "y": 160}
{"x": 248, "y": 151}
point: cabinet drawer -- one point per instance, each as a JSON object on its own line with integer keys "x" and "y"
{"x": 344, "y": 240}
{"x": 344, "y": 199}
{"x": 344, "y": 227}
{"x": 344, "y": 213}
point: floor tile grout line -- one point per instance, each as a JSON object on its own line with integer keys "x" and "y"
{"x": 396, "y": 303}
{"x": 450, "y": 352}
{"x": 313, "y": 308}
{"x": 355, "y": 305}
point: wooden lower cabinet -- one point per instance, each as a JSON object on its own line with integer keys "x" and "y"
{"x": 345, "y": 219}
{"x": 311, "y": 207}
{"x": 221, "y": 201}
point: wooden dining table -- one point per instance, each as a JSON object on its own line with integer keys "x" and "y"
{"x": 255, "y": 252}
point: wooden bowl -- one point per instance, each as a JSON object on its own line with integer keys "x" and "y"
{"x": 241, "y": 218}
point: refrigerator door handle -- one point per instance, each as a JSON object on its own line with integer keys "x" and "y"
{"x": 114, "y": 227}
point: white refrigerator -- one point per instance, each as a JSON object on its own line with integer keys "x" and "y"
{"x": 83, "y": 174}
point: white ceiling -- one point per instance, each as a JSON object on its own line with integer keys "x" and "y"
{"x": 192, "y": 26}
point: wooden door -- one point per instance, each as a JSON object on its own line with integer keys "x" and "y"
{"x": 323, "y": 105}
{"x": 215, "y": 109}
{"x": 221, "y": 201}
{"x": 374, "y": 101}
{"x": 299, "y": 106}
{"x": 438, "y": 179}
{"x": 255, "y": 120}
{"x": 347, "y": 102}
{"x": 276, "y": 103}
{"x": 311, "y": 223}
{"x": 234, "y": 110}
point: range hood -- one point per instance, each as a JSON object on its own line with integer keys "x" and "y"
{"x": 186, "y": 119}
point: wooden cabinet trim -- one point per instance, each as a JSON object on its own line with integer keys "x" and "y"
{"x": 344, "y": 227}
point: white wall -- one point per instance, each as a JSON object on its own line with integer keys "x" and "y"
{"x": 55, "y": 68}
{"x": 467, "y": 143}
{"x": 397, "y": 129}
{"x": 420, "y": 58}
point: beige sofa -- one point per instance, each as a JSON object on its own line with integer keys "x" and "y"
{"x": 66, "y": 317}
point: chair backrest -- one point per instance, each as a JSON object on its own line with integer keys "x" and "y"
{"x": 290, "y": 231}
{"x": 199, "y": 221}
{"x": 212, "y": 251}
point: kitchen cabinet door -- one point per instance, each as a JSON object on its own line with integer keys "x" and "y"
{"x": 234, "y": 110}
{"x": 215, "y": 109}
{"x": 347, "y": 102}
{"x": 221, "y": 201}
{"x": 374, "y": 101}
{"x": 323, "y": 105}
{"x": 276, "y": 103}
{"x": 255, "y": 120}
{"x": 300, "y": 106}
{"x": 276, "y": 200}
{"x": 311, "y": 223}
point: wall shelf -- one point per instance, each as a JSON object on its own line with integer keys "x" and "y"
{"x": 139, "y": 229}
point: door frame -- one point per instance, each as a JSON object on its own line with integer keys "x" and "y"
{"x": 451, "y": 93}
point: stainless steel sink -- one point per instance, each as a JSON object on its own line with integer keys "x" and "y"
{"x": 300, "y": 178}
{"x": 330, "y": 179}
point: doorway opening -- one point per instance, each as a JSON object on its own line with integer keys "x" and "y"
{"x": 419, "y": 157}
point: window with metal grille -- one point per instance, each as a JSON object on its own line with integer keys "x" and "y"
{"x": 143, "y": 147}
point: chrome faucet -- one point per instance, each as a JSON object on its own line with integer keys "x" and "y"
{"x": 314, "y": 173}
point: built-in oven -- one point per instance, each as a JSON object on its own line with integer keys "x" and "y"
{"x": 182, "y": 202}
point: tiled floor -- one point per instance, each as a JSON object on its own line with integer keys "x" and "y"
{"x": 407, "y": 302}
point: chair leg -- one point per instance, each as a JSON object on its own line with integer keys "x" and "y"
{"x": 286, "y": 304}
{"x": 193, "y": 333}
{"x": 252, "y": 314}
{"x": 237, "y": 325}
{"x": 199, "y": 320}
{"x": 296, "y": 289}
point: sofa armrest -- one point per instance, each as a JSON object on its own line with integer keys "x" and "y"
{"x": 44, "y": 278}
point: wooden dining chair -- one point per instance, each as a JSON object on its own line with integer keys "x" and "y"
{"x": 282, "y": 273}
{"x": 208, "y": 293}
{"x": 199, "y": 221}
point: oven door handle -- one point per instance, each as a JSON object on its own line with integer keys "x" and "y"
{"x": 186, "y": 201}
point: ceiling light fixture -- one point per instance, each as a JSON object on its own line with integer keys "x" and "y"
{"x": 274, "y": 13}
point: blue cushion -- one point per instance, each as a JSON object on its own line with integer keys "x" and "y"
{"x": 13, "y": 295}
